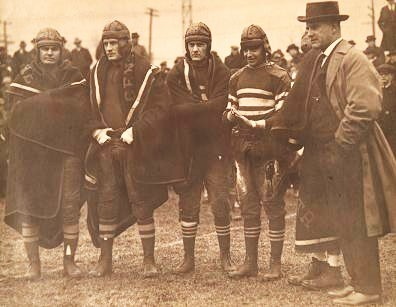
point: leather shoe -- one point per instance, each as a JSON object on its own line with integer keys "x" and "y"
{"x": 357, "y": 299}
{"x": 338, "y": 293}
{"x": 330, "y": 278}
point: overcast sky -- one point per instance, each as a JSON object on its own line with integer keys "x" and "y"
{"x": 226, "y": 18}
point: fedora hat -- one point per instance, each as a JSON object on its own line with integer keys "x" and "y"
{"x": 322, "y": 11}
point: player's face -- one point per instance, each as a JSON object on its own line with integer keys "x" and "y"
{"x": 50, "y": 55}
{"x": 254, "y": 55}
{"x": 321, "y": 34}
{"x": 197, "y": 50}
{"x": 111, "y": 47}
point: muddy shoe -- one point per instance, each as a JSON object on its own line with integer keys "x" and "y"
{"x": 315, "y": 268}
{"x": 71, "y": 269}
{"x": 330, "y": 278}
{"x": 248, "y": 269}
{"x": 103, "y": 268}
{"x": 226, "y": 263}
{"x": 149, "y": 268}
{"x": 187, "y": 266}
{"x": 274, "y": 272}
{"x": 34, "y": 271}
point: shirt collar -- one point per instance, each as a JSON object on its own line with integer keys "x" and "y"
{"x": 332, "y": 46}
{"x": 330, "y": 49}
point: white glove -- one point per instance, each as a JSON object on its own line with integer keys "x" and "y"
{"x": 127, "y": 136}
{"x": 100, "y": 135}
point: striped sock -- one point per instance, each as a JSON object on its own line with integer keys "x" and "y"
{"x": 70, "y": 232}
{"x": 30, "y": 233}
{"x": 189, "y": 229}
{"x": 276, "y": 239}
{"x": 223, "y": 231}
{"x": 107, "y": 228}
{"x": 252, "y": 232}
{"x": 276, "y": 235}
{"x": 146, "y": 228}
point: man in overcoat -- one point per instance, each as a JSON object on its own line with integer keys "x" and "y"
{"x": 387, "y": 23}
{"x": 350, "y": 159}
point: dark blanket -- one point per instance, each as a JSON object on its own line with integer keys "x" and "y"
{"x": 52, "y": 119}
{"x": 155, "y": 156}
{"x": 42, "y": 130}
{"x": 200, "y": 123}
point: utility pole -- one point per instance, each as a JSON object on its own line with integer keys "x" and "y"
{"x": 5, "y": 39}
{"x": 186, "y": 17}
{"x": 372, "y": 16}
{"x": 152, "y": 13}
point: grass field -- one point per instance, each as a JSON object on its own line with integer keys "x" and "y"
{"x": 207, "y": 286}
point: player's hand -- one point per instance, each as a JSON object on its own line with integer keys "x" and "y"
{"x": 100, "y": 135}
{"x": 127, "y": 136}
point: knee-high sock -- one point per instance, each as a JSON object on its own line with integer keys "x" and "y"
{"x": 70, "y": 239}
{"x": 30, "y": 233}
{"x": 223, "y": 236}
{"x": 107, "y": 228}
{"x": 276, "y": 235}
{"x": 147, "y": 235}
{"x": 189, "y": 231}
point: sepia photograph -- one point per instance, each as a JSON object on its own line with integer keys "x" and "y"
{"x": 198, "y": 153}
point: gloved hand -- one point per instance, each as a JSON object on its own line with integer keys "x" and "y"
{"x": 127, "y": 136}
{"x": 100, "y": 135}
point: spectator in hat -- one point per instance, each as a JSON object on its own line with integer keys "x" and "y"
{"x": 295, "y": 53}
{"x": 81, "y": 58}
{"x": 235, "y": 60}
{"x": 387, "y": 23}
{"x": 392, "y": 57}
{"x": 20, "y": 59}
{"x": 372, "y": 47}
{"x": 373, "y": 56}
{"x": 387, "y": 119}
{"x": 136, "y": 48}
{"x": 279, "y": 58}
{"x": 352, "y": 42}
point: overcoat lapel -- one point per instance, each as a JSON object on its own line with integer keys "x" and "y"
{"x": 335, "y": 62}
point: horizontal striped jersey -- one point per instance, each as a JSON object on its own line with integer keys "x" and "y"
{"x": 258, "y": 92}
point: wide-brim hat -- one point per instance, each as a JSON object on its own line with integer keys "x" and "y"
{"x": 292, "y": 46}
{"x": 77, "y": 41}
{"x": 322, "y": 11}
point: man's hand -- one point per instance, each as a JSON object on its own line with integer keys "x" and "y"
{"x": 100, "y": 135}
{"x": 231, "y": 115}
{"x": 127, "y": 136}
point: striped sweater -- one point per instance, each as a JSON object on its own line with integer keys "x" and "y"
{"x": 258, "y": 92}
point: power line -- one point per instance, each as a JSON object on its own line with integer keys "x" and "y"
{"x": 5, "y": 39}
{"x": 152, "y": 13}
{"x": 372, "y": 16}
